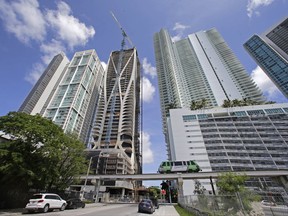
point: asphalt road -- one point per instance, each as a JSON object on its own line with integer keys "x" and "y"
{"x": 100, "y": 210}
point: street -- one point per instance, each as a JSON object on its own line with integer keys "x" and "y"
{"x": 102, "y": 210}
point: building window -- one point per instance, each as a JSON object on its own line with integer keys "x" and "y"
{"x": 202, "y": 116}
{"x": 255, "y": 112}
{"x": 239, "y": 113}
{"x": 285, "y": 109}
{"x": 187, "y": 118}
{"x": 271, "y": 111}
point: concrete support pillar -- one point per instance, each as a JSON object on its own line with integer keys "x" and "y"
{"x": 284, "y": 181}
{"x": 123, "y": 192}
{"x": 97, "y": 189}
{"x": 180, "y": 189}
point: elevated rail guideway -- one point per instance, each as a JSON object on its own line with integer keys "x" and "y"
{"x": 179, "y": 177}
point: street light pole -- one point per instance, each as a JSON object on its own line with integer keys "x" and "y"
{"x": 85, "y": 183}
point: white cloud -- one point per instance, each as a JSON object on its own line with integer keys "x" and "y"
{"x": 148, "y": 156}
{"x": 179, "y": 29}
{"x": 176, "y": 38}
{"x": 36, "y": 72}
{"x": 148, "y": 68}
{"x": 24, "y": 19}
{"x": 264, "y": 83}
{"x": 51, "y": 49}
{"x": 254, "y": 4}
{"x": 148, "y": 90}
{"x": 179, "y": 26}
{"x": 68, "y": 28}
{"x": 29, "y": 24}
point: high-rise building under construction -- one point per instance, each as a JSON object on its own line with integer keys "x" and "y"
{"x": 116, "y": 127}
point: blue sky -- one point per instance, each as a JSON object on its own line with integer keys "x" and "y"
{"x": 32, "y": 31}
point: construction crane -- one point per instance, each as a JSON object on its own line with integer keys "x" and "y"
{"x": 125, "y": 36}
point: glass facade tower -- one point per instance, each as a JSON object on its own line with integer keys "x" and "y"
{"x": 75, "y": 98}
{"x": 270, "y": 52}
{"x": 67, "y": 92}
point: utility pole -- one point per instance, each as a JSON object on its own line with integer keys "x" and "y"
{"x": 85, "y": 183}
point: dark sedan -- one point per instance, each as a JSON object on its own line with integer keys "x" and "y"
{"x": 146, "y": 206}
{"x": 74, "y": 203}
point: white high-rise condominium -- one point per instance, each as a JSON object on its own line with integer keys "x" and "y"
{"x": 201, "y": 66}
{"x": 41, "y": 93}
{"x": 67, "y": 92}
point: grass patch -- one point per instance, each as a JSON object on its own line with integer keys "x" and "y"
{"x": 183, "y": 212}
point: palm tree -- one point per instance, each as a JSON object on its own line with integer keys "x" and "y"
{"x": 227, "y": 103}
{"x": 236, "y": 103}
{"x": 169, "y": 106}
{"x": 204, "y": 103}
{"x": 193, "y": 105}
{"x": 270, "y": 102}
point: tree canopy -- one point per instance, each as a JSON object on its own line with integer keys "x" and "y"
{"x": 244, "y": 102}
{"x": 201, "y": 104}
{"x": 230, "y": 183}
{"x": 39, "y": 155}
{"x": 233, "y": 186}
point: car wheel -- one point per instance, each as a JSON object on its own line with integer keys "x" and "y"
{"x": 46, "y": 208}
{"x": 83, "y": 205}
{"x": 30, "y": 211}
{"x": 62, "y": 207}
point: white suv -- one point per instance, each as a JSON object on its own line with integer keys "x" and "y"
{"x": 45, "y": 202}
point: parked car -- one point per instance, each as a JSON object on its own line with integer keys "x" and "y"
{"x": 268, "y": 203}
{"x": 74, "y": 203}
{"x": 155, "y": 202}
{"x": 146, "y": 206}
{"x": 45, "y": 202}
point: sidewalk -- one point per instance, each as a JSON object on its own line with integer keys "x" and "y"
{"x": 166, "y": 210}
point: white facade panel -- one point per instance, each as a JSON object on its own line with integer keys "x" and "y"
{"x": 231, "y": 139}
{"x": 43, "y": 99}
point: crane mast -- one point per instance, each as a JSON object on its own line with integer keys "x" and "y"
{"x": 125, "y": 36}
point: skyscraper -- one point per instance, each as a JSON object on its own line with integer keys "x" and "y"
{"x": 201, "y": 66}
{"x": 67, "y": 92}
{"x": 270, "y": 51}
{"x": 42, "y": 91}
{"x": 116, "y": 127}
{"x": 115, "y": 140}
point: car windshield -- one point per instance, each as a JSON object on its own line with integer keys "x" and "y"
{"x": 146, "y": 201}
{"x": 37, "y": 196}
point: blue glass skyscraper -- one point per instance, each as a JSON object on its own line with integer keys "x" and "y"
{"x": 270, "y": 52}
